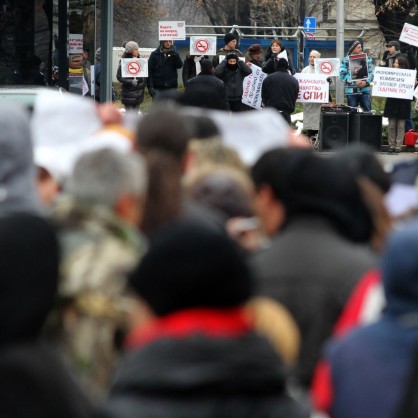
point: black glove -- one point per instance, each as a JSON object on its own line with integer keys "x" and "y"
{"x": 151, "y": 92}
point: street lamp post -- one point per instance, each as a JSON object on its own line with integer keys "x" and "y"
{"x": 106, "y": 51}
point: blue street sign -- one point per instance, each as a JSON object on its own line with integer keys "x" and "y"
{"x": 309, "y": 24}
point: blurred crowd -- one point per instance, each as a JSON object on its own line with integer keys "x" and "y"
{"x": 193, "y": 261}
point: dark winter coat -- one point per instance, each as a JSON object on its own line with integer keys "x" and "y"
{"x": 280, "y": 90}
{"x": 397, "y": 108}
{"x": 314, "y": 288}
{"x": 371, "y": 365}
{"x": 270, "y": 66}
{"x": 201, "y": 374}
{"x": 189, "y": 69}
{"x": 162, "y": 70}
{"x": 233, "y": 79}
{"x": 209, "y": 81}
{"x": 131, "y": 95}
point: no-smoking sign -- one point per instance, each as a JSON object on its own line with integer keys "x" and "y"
{"x": 200, "y": 45}
{"x": 327, "y": 66}
{"x": 134, "y": 67}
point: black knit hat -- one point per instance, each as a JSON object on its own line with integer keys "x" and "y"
{"x": 231, "y": 56}
{"x": 191, "y": 264}
{"x": 229, "y": 37}
{"x": 282, "y": 64}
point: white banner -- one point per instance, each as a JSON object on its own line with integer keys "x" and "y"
{"x": 394, "y": 82}
{"x": 252, "y": 87}
{"x": 134, "y": 67}
{"x": 313, "y": 88}
{"x": 409, "y": 34}
{"x": 171, "y": 30}
{"x": 203, "y": 45}
{"x": 328, "y": 66}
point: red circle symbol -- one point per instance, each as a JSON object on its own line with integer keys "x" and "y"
{"x": 326, "y": 67}
{"x": 134, "y": 68}
{"x": 310, "y": 36}
{"x": 201, "y": 45}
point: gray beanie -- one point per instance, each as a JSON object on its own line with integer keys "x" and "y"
{"x": 352, "y": 46}
{"x": 130, "y": 46}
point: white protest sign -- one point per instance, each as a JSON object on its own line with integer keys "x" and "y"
{"x": 75, "y": 43}
{"x": 327, "y": 66}
{"x": 134, "y": 67}
{"x": 203, "y": 45}
{"x": 252, "y": 87}
{"x": 394, "y": 82}
{"x": 313, "y": 88}
{"x": 409, "y": 34}
{"x": 171, "y": 30}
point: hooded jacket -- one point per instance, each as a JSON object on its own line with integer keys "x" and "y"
{"x": 382, "y": 352}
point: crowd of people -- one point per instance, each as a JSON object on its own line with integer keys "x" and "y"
{"x": 197, "y": 261}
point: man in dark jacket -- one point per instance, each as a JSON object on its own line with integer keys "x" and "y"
{"x": 280, "y": 90}
{"x": 163, "y": 64}
{"x": 206, "y": 78}
{"x": 232, "y": 72}
{"x": 197, "y": 355}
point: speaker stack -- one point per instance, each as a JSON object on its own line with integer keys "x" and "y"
{"x": 338, "y": 128}
{"x": 333, "y": 130}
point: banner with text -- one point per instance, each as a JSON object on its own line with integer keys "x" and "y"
{"x": 394, "y": 82}
{"x": 313, "y": 88}
{"x": 252, "y": 87}
{"x": 171, "y": 30}
{"x": 409, "y": 34}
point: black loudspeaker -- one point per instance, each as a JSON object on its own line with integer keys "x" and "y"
{"x": 333, "y": 130}
{"x": 366, "y": 128}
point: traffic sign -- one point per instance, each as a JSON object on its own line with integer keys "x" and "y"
{"x": 309, "y": 24}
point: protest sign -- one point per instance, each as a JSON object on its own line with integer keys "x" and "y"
{"x": 394, "y": 82}
{"x": 134, "y": 67}
{"x": 409, "y": 34}
{"x": 327, "y": 66}
{"x": 358, "y": 67}
{"x": 171, "y": 30}
{"x": 313, "y": 88}
{"x": 203, "y": 45}
{"x": 252, "y": 87}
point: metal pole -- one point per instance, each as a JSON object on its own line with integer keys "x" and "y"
{"x": 62, "y": 44}
{"x": 340, "y": 47}
{"x": 106, "y": 51}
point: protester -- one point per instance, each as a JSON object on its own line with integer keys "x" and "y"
{"x": 163, "y": 64}
{"x": 280, "y": 90}
{"x": 195, "y": 349}
{"x": 206, "y": 79}
{"x": 189, "y": 69}
{"x": 311, "y": 111}
{"x": 230, "y": 46}
{"x": 275, "y": 52}
{"x": 254, "y": 55}
{"x": 97, "y": 226}
{"x": 357, "y": 91}
{"x": 33, "y": 380}
{"x": 132, "y": 88}
{"x": 397, "y": 111}
{"x": 313, "y": 211}
{"x": 232, "y": 72}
